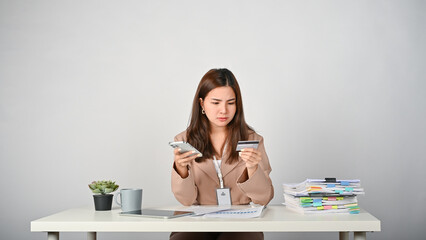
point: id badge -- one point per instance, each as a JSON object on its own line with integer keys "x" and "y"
{"x": 223, "y": 196}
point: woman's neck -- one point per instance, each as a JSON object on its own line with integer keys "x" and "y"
{"x": 218, "y": 139}
{"x": 220, "y": 132}
{"x": 217, "y": 129}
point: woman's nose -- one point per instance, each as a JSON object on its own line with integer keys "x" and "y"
{"x": 223, "y": 108}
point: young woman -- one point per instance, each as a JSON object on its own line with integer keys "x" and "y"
{"x": 217, "y": 124}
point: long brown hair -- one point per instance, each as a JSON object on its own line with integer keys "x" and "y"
{"x": 198, "y": 131}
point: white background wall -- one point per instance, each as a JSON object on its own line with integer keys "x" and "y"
{"x": 93, "y": 90}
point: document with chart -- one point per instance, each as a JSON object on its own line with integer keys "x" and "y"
{"x": 234, "y": 211}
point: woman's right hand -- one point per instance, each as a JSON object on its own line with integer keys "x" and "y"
{"x": 182, "y": 160}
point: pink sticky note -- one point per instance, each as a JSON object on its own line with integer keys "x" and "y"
{"x": 331, "y": 198}
{"x": 328, "y": 207}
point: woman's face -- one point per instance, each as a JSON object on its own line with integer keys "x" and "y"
{"x": 220, "y": 106}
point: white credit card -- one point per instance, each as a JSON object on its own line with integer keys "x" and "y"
{"x": 247, "y": 144}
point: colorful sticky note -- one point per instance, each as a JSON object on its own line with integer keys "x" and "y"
{"x": 338, "y": 191}
{"x": 317, "y": 204}
{"x": 339, "y": 198}
{"x": 351, "y": 205}
{"x": 334, "y": 206}
{"x": 344, "y": 183}
{"x": 320, "y": 208}
{"x": 349, "y": 189}
{"x": 328, "y": 207}
{"x": 331, "y": 185}
{"x": 331, "y": 198}
{"x": 317, "y": 200}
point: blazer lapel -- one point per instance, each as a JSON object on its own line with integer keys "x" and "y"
{"x": 227, "y": 168}
{"x": 208, "y": 167}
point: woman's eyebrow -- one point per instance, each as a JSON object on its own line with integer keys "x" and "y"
{"x": 219, "y": 100}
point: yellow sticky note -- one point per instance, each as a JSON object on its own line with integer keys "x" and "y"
{"x": 351, "y": 205}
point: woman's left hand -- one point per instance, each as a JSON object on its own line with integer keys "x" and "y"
{"x": 252, "y": 158}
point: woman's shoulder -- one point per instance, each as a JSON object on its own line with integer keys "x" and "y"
{"x": 181, "y": 136}
{"x": 254, "y": 135}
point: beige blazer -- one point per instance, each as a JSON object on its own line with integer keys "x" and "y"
{"x": 201, "y": 184}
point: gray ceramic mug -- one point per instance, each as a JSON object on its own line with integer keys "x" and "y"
{"x": 130, "y": 199}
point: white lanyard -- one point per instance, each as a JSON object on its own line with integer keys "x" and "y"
{"x": 219, "y": 173}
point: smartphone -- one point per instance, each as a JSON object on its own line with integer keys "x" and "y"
{"x": 247, "y": 144}
{"x": 185, "y": 147}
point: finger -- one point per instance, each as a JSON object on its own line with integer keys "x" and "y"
{"x": 182, "y": 155}
{"x": 246, "y": 159}
{"x": 246, "y": 154}
{"x": 192, "y": 155}
{"x": 176, "y": 151}
{"x": 184, "y": 158}
{"x": 251, "y": 164}
{"x": 186, "y": 161}
{"x": 251, "y": 150}
{"x": 250, "y": 157}
{"x": 183, "y": 163}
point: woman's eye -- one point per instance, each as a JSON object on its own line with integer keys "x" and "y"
{"x": 216, "y": 103}
{"x": 231, "y": 103}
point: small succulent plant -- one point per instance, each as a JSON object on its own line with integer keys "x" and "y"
{"x": 103, "y": 187}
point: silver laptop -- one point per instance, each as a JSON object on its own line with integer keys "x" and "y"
{"x": 156, "y": 213}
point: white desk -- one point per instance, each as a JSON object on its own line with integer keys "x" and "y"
{"x": 274, "y": 219}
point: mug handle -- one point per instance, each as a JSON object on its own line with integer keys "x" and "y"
{"x": 116, "y": 199}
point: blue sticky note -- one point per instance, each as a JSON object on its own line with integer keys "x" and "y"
{"x": 317, "y": 204}
{"x": 317, "y": 200}
{"x": 338, "y": 191}
{"x": 344, "y": 183}
{"x": 331, "y": 185}
{"x": 349, "y": 189}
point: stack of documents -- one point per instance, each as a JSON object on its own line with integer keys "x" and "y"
{"x": 323, "y": 196}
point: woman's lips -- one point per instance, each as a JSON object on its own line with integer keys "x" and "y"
{"x": 223, "y": 119}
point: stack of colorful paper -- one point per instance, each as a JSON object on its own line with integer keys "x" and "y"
{"x": 323, "y": 196}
